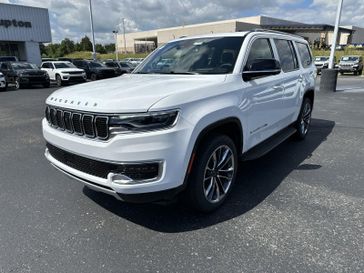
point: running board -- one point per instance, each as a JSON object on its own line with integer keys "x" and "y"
{"x": 269, "y": 144}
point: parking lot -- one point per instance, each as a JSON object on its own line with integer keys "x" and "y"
{"x": 300, "y": 208}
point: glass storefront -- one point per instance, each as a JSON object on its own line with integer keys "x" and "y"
{"x": 9, "y": 49}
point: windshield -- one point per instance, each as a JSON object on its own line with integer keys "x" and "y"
{"x": 64, "y": 65}
{"x": 95, "y": 64}
{"x": 111, "y": 64}
{"x": 194, "y": 56}
{"x": 21, "y": 66}
{"x": 321, "y": 59}
{"x": 349, "y": 59}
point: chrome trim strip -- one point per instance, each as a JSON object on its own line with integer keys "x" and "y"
{"x": 107, "y": 127}
{"x": 81, "y": 126}
{"x": 70, "y": 121}
{"x": 92, "y": 124}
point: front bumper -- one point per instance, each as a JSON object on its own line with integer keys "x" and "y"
{"x": 349, "y": 69}
{"x": 74, "y": 77}
{"x": 33, "y": 80}
{"x": 170, "y": 147}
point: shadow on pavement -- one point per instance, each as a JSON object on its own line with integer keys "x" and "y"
{"x": 256, "y": 181}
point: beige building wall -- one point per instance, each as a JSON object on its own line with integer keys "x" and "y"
{"x": 167, "y": 35}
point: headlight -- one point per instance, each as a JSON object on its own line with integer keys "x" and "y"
{"x": 143, "y": 122}
{"x": 355, "y": 65}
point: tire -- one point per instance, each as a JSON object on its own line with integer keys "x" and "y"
{"x": 3, "y": 89}
{"x": 303, "y": 122}
{"x": 207, "y": 187}
{"x": 93, "y": 77}
{"x": 59, "y": 81}
{"x": 361, "y": 72}
{"x": 17, "y": 84}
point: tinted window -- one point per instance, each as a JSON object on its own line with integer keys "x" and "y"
{"x": 287, "y": 55}
{"x": 64, "y": 65}
{"x": 305, "y": 54}
{"x": 211, "y": 55}
{"x": 46, "y": 65}
{"x": 260, "y": 49}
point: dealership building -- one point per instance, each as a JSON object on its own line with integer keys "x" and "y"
{"x": 320, "y": 35}
{"x": 22, "y": 29}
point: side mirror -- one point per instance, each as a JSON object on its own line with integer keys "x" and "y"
{"x": 261, "y": 68}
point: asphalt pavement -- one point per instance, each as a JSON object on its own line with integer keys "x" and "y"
{"x": 300, "y": 208}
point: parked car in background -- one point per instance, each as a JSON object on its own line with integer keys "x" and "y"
{"x": 352, "y": 64}
{"x": 8, "y": 59}
{"x": 3, "y": 84}
{"x": 64, "y": 72}
{"x": 126, "y": 67}
{"x": 23, "y": 74}
{"x": 322, "y": 62}
{"x": 181, "y": 129}
{"x": 95, "y": 70}
{"x": 133, "y": 61}
{"x": 115, "y": 66}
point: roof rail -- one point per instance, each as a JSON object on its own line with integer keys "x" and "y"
{"x": 274, "y": 31}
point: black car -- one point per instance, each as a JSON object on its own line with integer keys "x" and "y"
{"x": 115, "y": 66}
{"x": 24, "y": 74}
{"x": 95, "y": 70}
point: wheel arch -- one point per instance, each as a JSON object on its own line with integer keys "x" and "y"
{"x": 230, "y": 126}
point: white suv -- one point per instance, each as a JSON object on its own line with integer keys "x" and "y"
{"x": 64, "y": 72}
{"x": 181, "y": 128}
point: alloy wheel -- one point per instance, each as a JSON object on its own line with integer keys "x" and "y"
{"x": 219, "y": 173}
{"x": 306, "y": 118}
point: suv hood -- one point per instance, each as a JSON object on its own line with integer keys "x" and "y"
{"x": 129, "y": 93}
{"x": 70, "y": 69}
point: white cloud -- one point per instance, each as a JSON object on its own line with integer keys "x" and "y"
{"x": 70, "y": 18}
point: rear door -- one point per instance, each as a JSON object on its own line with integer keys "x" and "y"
{"x": 292, "y": 79}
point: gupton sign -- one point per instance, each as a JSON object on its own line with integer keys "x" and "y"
{"x": 15, "y": 23}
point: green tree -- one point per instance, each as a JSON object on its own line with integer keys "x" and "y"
{"x": 66, "y": 47}
{"x": 100, "y": 49}
{"x": 86, "y": 44}
{"x": 110, "y": 48}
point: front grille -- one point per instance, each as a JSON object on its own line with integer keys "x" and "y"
{"x": 74, "y": 72}
{"x": 89, "y": 125}
{"x": 137, "y": 172}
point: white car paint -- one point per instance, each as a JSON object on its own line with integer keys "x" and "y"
{"x": 263, "y": 106}
{"x": 64, "y": 73}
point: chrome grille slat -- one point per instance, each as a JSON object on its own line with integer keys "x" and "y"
{"x": 82, "y": 124}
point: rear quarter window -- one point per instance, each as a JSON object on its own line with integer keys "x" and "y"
{"x": 305, "y": 54}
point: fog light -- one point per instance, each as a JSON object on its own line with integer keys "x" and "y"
{"x": 136, "y": 173}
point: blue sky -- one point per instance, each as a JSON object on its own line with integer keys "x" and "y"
{"x": 70, "y": 18}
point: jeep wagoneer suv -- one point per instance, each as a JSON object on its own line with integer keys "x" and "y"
{"x": 180, "y": 127}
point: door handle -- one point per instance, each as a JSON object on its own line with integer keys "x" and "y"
{"x": 278, "y": 87}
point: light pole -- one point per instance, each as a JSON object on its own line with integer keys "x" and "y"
{"x": 329, "y": 76}
{"x": 124, "y": 35}
{"x": 92, "y": 32}
{"x": 336, "y": 34}
{"x": 116, "y": 44}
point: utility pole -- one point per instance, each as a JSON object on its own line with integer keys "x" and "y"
{"x": 329, "y": 76}
{"x": 116, "y": 44}
{"x": 92, "y": 32}
{"x": 124, "y": 36}
{"x": 336, "y": 34}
